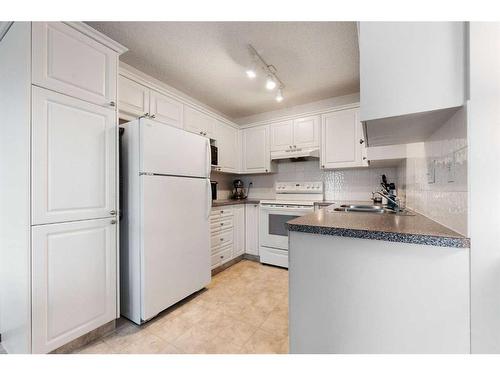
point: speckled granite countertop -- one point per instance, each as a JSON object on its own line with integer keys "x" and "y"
{"x": 230, "y": 202}
{"x": 416, "y": 229}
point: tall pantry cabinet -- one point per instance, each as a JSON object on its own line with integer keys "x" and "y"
{"x": 64, "y": 239}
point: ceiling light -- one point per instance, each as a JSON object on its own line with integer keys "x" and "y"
{"x": 270, "y": 84}
{"x": 279, "y": 96}
{"x": 251, "y": 73}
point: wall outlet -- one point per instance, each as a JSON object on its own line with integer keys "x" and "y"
{"x": 431, "y": 171}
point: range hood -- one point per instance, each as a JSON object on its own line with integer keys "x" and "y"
{"x": 305, "y": 153}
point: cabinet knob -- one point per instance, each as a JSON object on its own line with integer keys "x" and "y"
{"x": 221, "y": 212}
{"x": 361, "y": 141}
{"x": 322, "y": 166}
{"x": 112, "y": 104}
{"x": 294, "y": 146}
{"x": 266, "y": 170}
{"x": 113, "y": 221}
{"x": 222, "y": 256}
{"x": 364, "y": 157}
{"x": 112, "y": 212}
{"x": 222, "y": 239}
{"x": 152, "y": 116}
{"x": 221, "y": 224}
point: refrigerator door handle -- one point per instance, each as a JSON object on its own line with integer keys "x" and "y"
{"x": 209, "y": 198}
{"x": 208, "y": 158}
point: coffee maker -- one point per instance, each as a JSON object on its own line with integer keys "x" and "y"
{"x": 239, "y": 190}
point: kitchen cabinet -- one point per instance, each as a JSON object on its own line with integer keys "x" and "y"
{"x": 409, "y": 73}
{"x": 298, "y": 133}
{"x": 60, "y": 160}
{"x": 252, "y": 229}
{"x": 239, "y": 230}
{"x": 227, "y": 145}
{"x": 256, "y": 151}
{"x": 342, "y": 142}
{"x": 198, "y": 122}
{"x": 73, "y": 158}
{"x": 68, "y": 61}
{"x": 165, "y": 109}
{"x": 221, "y": 235}
{"x": 133, "y": 98}
{"x": 74, "y": 280}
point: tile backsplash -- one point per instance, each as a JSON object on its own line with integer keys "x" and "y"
{"x": 342, "y": 184}
{"x": 435, "y": 175}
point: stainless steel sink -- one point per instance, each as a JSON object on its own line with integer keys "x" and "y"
{"x": 369, "y": 208}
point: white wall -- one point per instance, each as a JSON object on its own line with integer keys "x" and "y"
{"x": 484, "y": 185}
{"x": 444, "y": 199}
{"x": 340, "y": 185}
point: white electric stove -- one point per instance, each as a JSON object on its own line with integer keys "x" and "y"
{"x": 293, "y": 199}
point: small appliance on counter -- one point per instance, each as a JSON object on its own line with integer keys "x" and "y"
{"x": 239, "y": 190}
{"x": 213, "y": 184}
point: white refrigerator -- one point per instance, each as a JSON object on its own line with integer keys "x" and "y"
{"x": 164, "y": 231}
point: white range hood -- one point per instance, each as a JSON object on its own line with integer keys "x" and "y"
{"x": 303, "y": 153}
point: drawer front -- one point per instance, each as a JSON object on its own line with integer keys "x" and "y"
{"x": 221, "y": 256}
{"x": 221, "y": 224}
{"x": 67, "y": 61}
{"x": 219, "y": 213}
{"x": 221, "y": 238}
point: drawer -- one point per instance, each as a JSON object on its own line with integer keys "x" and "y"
{"x": 221, "y": 257}
{"x": 221, "y": 238}
{"x": 221, "y": 213}
{"x": 221, "y": 224}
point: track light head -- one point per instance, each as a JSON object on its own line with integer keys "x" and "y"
{"x": 270, "y": 83}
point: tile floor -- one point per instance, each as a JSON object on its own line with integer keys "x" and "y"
{"x": 243, "y": 310}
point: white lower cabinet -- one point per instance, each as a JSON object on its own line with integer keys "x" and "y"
{"x": 74, "y": 280}
{"x": 239, "y": 230}
{"x": 252, "y": 229}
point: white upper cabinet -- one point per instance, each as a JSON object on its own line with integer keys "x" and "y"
{"x": 295, "y": 134}
{"x": 281, "y": 135}
{"x": 306, "y": 132}
{"x": 73, "y": 159}
{"x": 256, "y": 152}
{"x": 67, "y": 61}
{"x": 198, "y": 122}
{"x": 133, "y": 98}
{"x": 411, "y": 67}
{"x": 165, "y": 109}
{"x": 227, "y": 145}
{"x": 74, "y": 280}
{"x": 342, "y": 143}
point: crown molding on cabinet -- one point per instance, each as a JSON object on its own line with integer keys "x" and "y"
{"x": 300, "y": 115}
{"x": 97, "y": 36}
{"x": 155, "y": 84}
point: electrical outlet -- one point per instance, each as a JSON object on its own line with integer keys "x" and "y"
{"x": 451, "y": 168}
{"x": 431, "y": 172}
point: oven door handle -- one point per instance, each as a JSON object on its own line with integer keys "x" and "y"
{"x": 287, "y": 209}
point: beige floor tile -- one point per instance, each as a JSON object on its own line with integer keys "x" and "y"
{"x": 150, "y": 344}
{"x": 236, "y": 332}
{"x": 277, "y": 322}
{"x": 263, "y": 342}
{"x": 96, "y": 347}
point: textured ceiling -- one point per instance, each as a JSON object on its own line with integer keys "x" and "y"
{"x": 207, "y": 60}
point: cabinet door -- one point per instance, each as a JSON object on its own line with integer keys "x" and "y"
{"x": 166, "y": 109}
{"x": 281, "y": 136}
{"x": 67, "y": 61}
{"x": 306, "y": 132}
{"x": 252, "y": 229}
{"x": 341, "y": 140}
{"x": 133, "y": 98}
{"x": 256, "y": 154}
{"x": 73, "y": 159}
{"x": 239, "y": 230}
{"x": 227, "y": 142}
{"x": 198, "y": 122}
{"x": 74, "y": 280}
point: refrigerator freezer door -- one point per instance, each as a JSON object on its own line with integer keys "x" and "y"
{"x": 175, "y": 256}
{"x": 171, "y": 151}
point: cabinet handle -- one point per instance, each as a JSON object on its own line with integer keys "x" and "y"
{"x": 294, "y": 146}
{"x": 112, "y": 104}
{"x": 266, "y": 170}
{"x": 222, "y": 239}
{"x": 112, "y": 212}
{"x": 222, "y": 256}
{"x": 221, "y": 224}
{"x": 152, "y": 116}
{"x": 364, "y": 157}
{"x": 322, "y": 166}
{"x": 222, "y": 212}
{"x": 361, "y": 141}
{"x": 113, "y": 221}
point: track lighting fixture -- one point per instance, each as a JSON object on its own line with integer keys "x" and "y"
{"x": 272, "y": 80}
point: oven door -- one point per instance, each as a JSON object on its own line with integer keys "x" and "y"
{"x": 273, "y": 231}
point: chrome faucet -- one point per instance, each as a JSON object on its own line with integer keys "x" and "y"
{"x": 388, "y": 192}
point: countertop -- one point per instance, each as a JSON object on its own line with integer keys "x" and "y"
{"x": 230, "y": 202}
{"x": 416, "y": 229}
